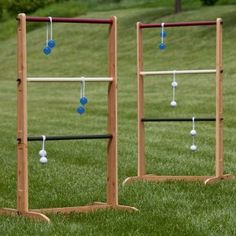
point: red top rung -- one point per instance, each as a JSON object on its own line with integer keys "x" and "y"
{"x": 177, "y": 24}
{"x": 69, "y": 20}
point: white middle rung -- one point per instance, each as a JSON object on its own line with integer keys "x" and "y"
{"x": 69, "y": 79}
{"x": 171, "y": 72}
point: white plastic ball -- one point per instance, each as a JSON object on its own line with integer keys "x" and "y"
{"x": 43, "y": 160}
{"x": 173, "y": 103}
{"x": 193, "y": 147}
{"x": 193, "y": 132}
{"x": 42, "y": 153}
{"x": 174, "y": 84}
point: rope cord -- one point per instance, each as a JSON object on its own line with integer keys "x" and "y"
{"x": 50, "y": 18}
{"x": 46, "y": 34}
{"x": 173, "y": 87}
{"x": 193, "y": 128}
{"x": 43, "y": 142}
{"x": 162, "y": 32}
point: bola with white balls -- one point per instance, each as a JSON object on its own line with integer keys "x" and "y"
{"x": 193, "y": 133}
{"x": 42, "y": 153}
{"x": 174, "y": 85}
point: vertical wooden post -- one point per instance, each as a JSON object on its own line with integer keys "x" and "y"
{"x": 140, "y": 104}
{"x": 22, "y": 162}
{"x": 112, "y": 184}
{"x": 219, "y": 100}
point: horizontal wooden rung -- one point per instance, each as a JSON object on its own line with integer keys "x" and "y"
{"x": 178, "y": 72}
{"x": 69, "y": 20}
{"x": 70, "y": 137}
{"x": 180, "y": 119}
{"x": 69, "y": 79}
{"x": 178, "y": 24}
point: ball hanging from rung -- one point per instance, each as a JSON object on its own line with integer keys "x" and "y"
{"x": 83, "y": 100}
{"x": 193, "y": 132}
{"x": 174, "y": 84}
{"x": 163, "y": 34}
{"x": 42, "y": 153}
{"x": 43, "y": 160}
{"x": 81, "y": 110}
{"x": 47, "y": 50}
{"x": 173, "y": 103}
{"x": 193, "y": 147}
{"x": 51, "y": 43}
{"x": 162, "y": 46}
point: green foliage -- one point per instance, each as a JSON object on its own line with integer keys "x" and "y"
{"x": 16, "y": 6}
{"x": 66, "y": 9}
{"x": 1, "y": 9}
{"x": 209, "y": 2}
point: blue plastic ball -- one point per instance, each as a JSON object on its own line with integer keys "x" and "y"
{"x": 81, "y": 110}
{"x": 83, "y": 100}
{"x": 47, "y": 50}
{"x": 51, "y": 43}
{"x": 163, "y": 34}
{"x": 162, "y": 46}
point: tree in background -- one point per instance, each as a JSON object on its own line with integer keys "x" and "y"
{"x": 1, "y": 9}
{"x": 209, "y": 2}
{"x": 3, "y": 4}
{"x": 178, "y": 6}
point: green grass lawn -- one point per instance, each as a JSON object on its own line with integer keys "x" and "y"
{"x": 76, "y": 171}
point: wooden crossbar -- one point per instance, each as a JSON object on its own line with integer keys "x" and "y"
{"x": 69, "y": 79}
{"x": 70, "y": 137}
{"x": 177, "y": 24}
{"x": 178, "y": 72}
{"x": 178, "y": 119}
{"x": 68, "y": 20}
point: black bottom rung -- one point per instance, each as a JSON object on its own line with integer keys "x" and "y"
{"x": 176, "y": 119}
{"x": 71, "y": 137}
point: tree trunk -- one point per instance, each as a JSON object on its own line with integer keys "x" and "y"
{"x": 178, "y": 6}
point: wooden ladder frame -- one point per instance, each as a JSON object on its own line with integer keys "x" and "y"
{"x": 22, "y": 136}
{"x": 219, "y": 175}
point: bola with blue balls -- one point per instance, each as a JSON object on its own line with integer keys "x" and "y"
{"x": 50, "y": 44}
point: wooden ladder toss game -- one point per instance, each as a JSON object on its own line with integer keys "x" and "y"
{"x": 218, "y": 119}
{"x": 22, "y": 136}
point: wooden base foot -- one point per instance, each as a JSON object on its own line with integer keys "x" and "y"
{"x": 156, "y": 178}
{"x": 37, "y": 214}
{"x": 132, "y": 179}
{"x": 78, "y": 209}
{"x": 215, "y": 179}
{"x": 28, "y": 214}
{"x": 125, "y": 208}
{"x": 88, "y": 208}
